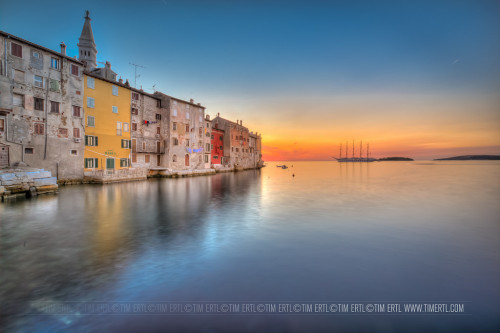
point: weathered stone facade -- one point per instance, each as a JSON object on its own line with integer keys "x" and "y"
{"x": 185, "y": 144}
{"x": 150, "y": 130}
{"x": 238, "y": 153}
{"x": 41, "y": 107}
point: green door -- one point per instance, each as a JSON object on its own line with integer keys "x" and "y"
{"x": 110, "y": 163}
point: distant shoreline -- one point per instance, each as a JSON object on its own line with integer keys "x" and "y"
{"x": 470, "y": 157}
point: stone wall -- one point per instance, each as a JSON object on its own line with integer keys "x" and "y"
{"x": 26, "y": 182}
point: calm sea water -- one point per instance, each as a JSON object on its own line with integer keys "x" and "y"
{"x": 334, "y": 233}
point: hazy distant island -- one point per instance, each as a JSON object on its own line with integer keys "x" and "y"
{"x": 383, "y": 159}
{"x": 470, "y": 157}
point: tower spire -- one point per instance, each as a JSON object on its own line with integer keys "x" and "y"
{"x": 87, "y": 51}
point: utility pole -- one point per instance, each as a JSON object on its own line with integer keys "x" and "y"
{"x": 135, "y": 73}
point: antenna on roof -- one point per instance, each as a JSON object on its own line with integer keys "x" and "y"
{"x": 135, "y": 73}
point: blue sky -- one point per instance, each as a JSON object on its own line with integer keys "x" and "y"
{"x": 255, "y": 59}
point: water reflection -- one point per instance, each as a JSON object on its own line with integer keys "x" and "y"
{"x": 355, "y": 231}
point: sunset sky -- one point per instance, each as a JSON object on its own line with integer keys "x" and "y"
{"x": 412, "y": 78}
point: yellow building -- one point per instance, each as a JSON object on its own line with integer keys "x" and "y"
{"x": 107, "y": 124}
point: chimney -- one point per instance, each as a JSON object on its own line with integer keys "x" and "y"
{"x": 218, "y": 114}
{"x": 120, "y": 80}
{"x": 126, "y": 83}
{"x": 241, "y": 122}
{"x": 63, "y": 48}
{"x": 108, "y": 65}
{"x": 199, "y": 104}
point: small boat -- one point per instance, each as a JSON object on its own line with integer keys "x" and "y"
{"x": 282, "y": 166}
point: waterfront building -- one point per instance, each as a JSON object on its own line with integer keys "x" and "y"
{"x": 107, "y": 126}
{"x": 236, "y": 147}
{"x": 41, "y": 114}
{"x": 184, "y": 149}
{"x": 217, "y": 146}
{"x": 150, "y": 130}
{"x": 208, "y": 142}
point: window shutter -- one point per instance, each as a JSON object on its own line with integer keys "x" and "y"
{"x": 95, "y": 140}
{"x": 86, "y": 164}
{"x": 96, "y": 164}
{"x": 86, "y": 140}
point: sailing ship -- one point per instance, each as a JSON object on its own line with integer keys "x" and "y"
{"x": 353, "y": 158}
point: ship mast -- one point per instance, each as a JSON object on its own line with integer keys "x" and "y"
{"x": 352, "y": 148}
{"x": 360, "y": 149}
{"x": 341, "y": 150}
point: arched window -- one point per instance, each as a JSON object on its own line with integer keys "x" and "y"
{"x": 174, "y": 158}
{"x": 186, "y": 160}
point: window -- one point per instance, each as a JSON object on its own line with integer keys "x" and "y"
{"x": 91, "y": 163}
{"x": 90, "y": 121}
{"x": 110, "y": 163}
{"x": 175, "y": 113}
{"x": 176, "y": 142}
{"x": 187, "y": 142}
{"x": 211, "y": 147}
{"x": 187, "y": 115}
{"x": 187, "y": 128}
{"x": 206, "y": 158}
{"x": 18, "y": 76}
{"x": 90, "y": 83}
{"x": 29, "y": 151}
{"x": 212, "y": 137}
{"x": 63, "y": 132}
{"x": 76, "y": 132}
{"x": 77, "y": 111}
{"x": 158, "y": 116}
{"x": 135, "y": 111}
{"x": 39, "y": 104}
{"x": 134, "y": 126}
{"x": 134, "y": 158}
{"x": 90, "y": 102}
{"x": 220, "y": 147}
{"x": 118, "y": 128}
{"x": 158, "y": 130}
{"x": 125, "y": 127}
{"x": 144, "y": 146}
{"x": 115, "y": 91}
{"x": 75, "y": 70}
{"x": 237, "y": 149}
{"x": 39, "y": 128}
{"x": 220, "y": 137}
{"x": 91, "y": 140}
{"x": 200, "y": 120}
{"x": 73, "y": 152}
{"x": 36, "y": 54}
{"x": 208, "y": 147}
{"x": 124, "y": 162}
{"x": 174, "y": 126}
{"x": 114, "y": 109}
{"x": 174, "y": 158}
{"x": 2, "y": 125}
{"x": 200, "y": 144}
{"x": 135, "y": 96}
{"x": 17, "y": 99}
{"x": 158, "y": 103}
{"x": 175, "y": 102}
{"x": 208, "y": 125}
{"x": 146, "y": 158}
{"x": 126, "y": 143}
{"x": 16, "y": 50}
{"x": 54, "y": 63}
{"x": 54, "y": 85}
{"x": 54, "y": 107}
{"x": 200, "y": 131}
{"x": 38, "y": 81}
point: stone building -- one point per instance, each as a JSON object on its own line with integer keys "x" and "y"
{"x": 255, "y": 146}
{"x": 150, "y": 129}
{"x": 236, "y": 148}
{"x": 208, "y": 142}
{"x": 41, "y": 114}
{"x": 184, "y": 147}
